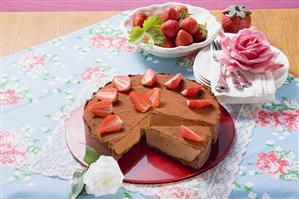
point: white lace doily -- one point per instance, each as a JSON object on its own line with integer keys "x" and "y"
{"x": 56, "y": 160}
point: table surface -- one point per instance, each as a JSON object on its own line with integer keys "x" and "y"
{"x": 21, "y": 30}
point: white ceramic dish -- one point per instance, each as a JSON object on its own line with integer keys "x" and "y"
{"x": 200, "y": 14}
{"x": 204, "y": 64}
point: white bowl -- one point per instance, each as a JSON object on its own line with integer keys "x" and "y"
{"x": 200, "y": 14}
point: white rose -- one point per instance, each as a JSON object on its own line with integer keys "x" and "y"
{"x": 103, "y": 177}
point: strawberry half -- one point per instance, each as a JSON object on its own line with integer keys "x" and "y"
{"x": 154, "y": 97}
{"x": 199, "y": 103}
{"x": 101, "y": 108}
{"x": 189, "y": 134}
{"x": 110, "y": 94}
{"x": 110, "y": 124}
{"x": 174, "y": 82}
{"x": 122, "y": 83}
{"x": 192, "y": 91}
{"x": 149, "y": 78}
{"x": 140, "y": 103}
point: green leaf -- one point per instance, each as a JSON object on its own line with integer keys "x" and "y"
{"x": 77, "y": 184}
{"x": 156, "y": 35}
{"x": 127, "y": 195}
{"x": 136, "y": 35}
{"x": 152, "y": 21}
{"x": 91, "y": 155}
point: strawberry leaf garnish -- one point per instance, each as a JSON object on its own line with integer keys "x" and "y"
{"x": 150, "y": 29}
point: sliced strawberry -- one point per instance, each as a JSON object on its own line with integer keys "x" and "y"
{"x": 110, "y": 124}
{"x": 107, "y": 94}
{"x": 154, "y": 97}
{"x": 139, "y": 102}
{"x": 149, "y": 78}
{"x": 189, "y": 134}
{"x": 199, "y": 103}
{"x": 192, "y": 91}
{"x": 101, "y": 108}
{"x": 174, "y": 82}
{"x": 122, "y": 83}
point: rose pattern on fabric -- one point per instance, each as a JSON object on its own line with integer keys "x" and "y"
{"x": 187, "y": 61}
{"x": 267, "y": 119}
{"x": 93, "y": 74}
{"x": 9, "y": 97}
{"x": 101, "y": 41}
{"x": 290, "y": 119}
{"x": 10, "y": 153}
{"x": 121, "y": 42}
{"x": 33, "y": 61}
{"x": 174, "y": 193}
{"x": 271, "y": 163}
{"x": 249, "y": 50}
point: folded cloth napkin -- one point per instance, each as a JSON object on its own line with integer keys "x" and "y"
{"x": 261, "y": 91}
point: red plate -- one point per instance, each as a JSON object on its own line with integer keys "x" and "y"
{"x": 143, "y": 165}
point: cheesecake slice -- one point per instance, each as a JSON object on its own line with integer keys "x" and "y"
{"x": 168, "y": 140}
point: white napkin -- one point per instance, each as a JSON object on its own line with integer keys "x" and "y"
{"x": 261, "y": 91}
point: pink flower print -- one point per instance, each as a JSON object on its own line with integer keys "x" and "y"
{"x": 268, "y": 119}
{"x": 9, "y": 97}
{"x": 10, "y": 154}
{"x": 33, "y": 61}
{"x": 271, "y": 163}
{"x": 174, "y": 193}
{"x": 291, "y": 119}
{"x": 93, "y": 74}
{"x": 121, "y": 43}
{"x": 101, "y": 41}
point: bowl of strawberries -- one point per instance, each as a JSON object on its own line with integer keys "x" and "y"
{"x": 171, "y": 29}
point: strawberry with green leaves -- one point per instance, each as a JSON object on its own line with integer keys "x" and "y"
{"x": 201, "y": 34}
{"x": 235, "y": 18}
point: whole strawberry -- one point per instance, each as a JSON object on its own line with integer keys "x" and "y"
{"x": 168, "y": 43}
{"x": 201, "y": 33}
{"x": 183, "y": 38}
{"x": 170, "y": 28}
{"x": 235, "y": 18}
{"x": 189, "y": 24}
{"x": 138, "y": 18}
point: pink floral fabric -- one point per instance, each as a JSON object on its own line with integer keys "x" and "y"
{"x": 33, "y": 61}
{"x": 9, "y": 97}
{"x": 113, "y": 42}
{"x": 93, "y": 74}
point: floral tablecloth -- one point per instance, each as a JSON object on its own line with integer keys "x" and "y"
{"x": 41, "y": 85}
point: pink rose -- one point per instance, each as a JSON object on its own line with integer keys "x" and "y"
{"x": 93, "y": 74}
{"x": 249, "y": 50}
{"x": 9, "y": 97}
{"x": 101, "y": 41}
{"x": 34, "y": 61}
{"x": 121, "y": 42}
{"x": 271, "y": 163}
{"x": 291, "y": 119}
{"x": 267, "y": 119}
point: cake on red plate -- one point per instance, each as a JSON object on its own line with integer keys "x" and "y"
{"x": 178, "y": 117}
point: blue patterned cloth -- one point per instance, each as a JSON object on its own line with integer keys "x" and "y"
{"x": 40, "y": 85}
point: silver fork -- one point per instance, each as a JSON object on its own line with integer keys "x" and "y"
{"x": 221, "y": 83}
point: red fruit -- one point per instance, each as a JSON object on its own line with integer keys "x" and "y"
{"x": 183, "y": 38}
{"x": 110, "y": 124}
{"x": 149, "y": 78}
{"x": 189, "y": 134}
{"x": 199, "y": 103}
{"x": 183, "y": 12}
{"x": 154, "y": 97}
{"x": 201, "y": 33}
{"x": 192, "y": 91}
{"x": 172, "y": 14}
{"x": 110, "y": 94}
{"x": 139, "y": 102}
{"x": 138, "y": 18}
{"x": 101, "y": 108}
{"x": 189, "y": 24}
{"x": 235, "y": 18}
{"x": 168, "y": 43}
{"x": 174, "y": 82}
{"x": 122, "y": 83}
{"x": 170, "y": 28}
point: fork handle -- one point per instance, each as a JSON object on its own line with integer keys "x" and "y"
{"x": 244, "y": 80}
{"x": 235, "y": 80}
{"x": 221, "y": 83}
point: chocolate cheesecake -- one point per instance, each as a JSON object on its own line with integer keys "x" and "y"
{"x": 160, "y": 125}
